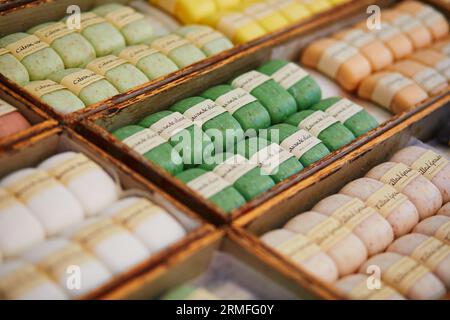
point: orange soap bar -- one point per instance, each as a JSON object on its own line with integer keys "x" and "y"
{"x": 11, "y": 121}
{"x": 433, "y": 59}
{"x": 442, "y": 46}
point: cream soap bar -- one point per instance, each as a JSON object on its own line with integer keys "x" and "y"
{"x": 437, "y": 226}
{"x": 355, "y": 286}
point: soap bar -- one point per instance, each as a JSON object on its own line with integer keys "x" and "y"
{"x": 209, "y": 40}
{"x": 306, "y": 148}
{"x": 180, "y": 50}
{"x": 270, "y": 157}
{"x": 73, "y": 49}
{"x": 133, "y": 25}
{"x": 151, "y": 62}
{"x": 81, "y": 175}
{"x": 433, "y": 59}
{"x": 398, "y": 210}
{"x": 328, "y": 129}
{"x": 295, "y": 80}
{"x": 437, "y": 226}
{"x": 411, "y": 279}
{"x": 188, "y": 11}
{"x": 277, "y": 100}
{"x": 227, "y": 4}
{"x": 214, "y": 120}
{"x": 442, "y": 46}
{"x": 111, "y": 243}
{"x": 337, "y": 60}
{"x": 356, "y": 287}
{"x": 445, "y": 210}
{"x": 19, "y": 229}
{"x": 186, "y": 137}
{"x": 101, "y": 34}
{"x": 368, "y": 45}
{"x": 303, "y": 252}
{"x": 427, "y": 78}
{"x": 36, "y": 55}
{"x": 151, "y": 146}
{"x": 244, "y": 107}
{"x": 269, "y": 18}
{"x": 292, "y": 10}
{"x": 154, "y": 226}
{"x": 12, "y": 69}
{"x": 54, "y": 206}
{"x": 346, "y": 250}
{"x": 86, "y": 84}
{"x": 245, "y": 176}
{"x": 212, "y": 187}
{"x": 57, "y": 255}
{"x": 316, "y": 6}
{"x": 11, "y": 121}
{"x": 392, "y": 91}
{"x": 55, "y": 95}
{"x": 350, "y": 114}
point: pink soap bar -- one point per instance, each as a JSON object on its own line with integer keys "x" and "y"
{"x": 11, "y": 123}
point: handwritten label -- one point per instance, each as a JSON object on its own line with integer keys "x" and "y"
{"x": 270, "y": 158}
{"x": 43, "y": 87}
{"x": 385, "y": 200}
{"x": 169, "y": 43}
{"x": 134, "y": 54}
{"x": 123, "y": 17}
{"x": 235, "y": 99}
{"x": 300, "y": 143}
{"x": 208, "y": 184}
{"x": 289, "y": 75}
{"x": 317, "y": 122}
{"x": 53, "y": 32}
{"x": 171, "y": 125}
{"x": 144, "y": 141}
{"x": 79, "y": 80}
{"x": 203, "y": 112}
{"x": 105, "y": 64}
{"x": 234, "y": 168}
{"x": 343, "y": 110}
{"x": 250, "y": 80}
{"x": 399, "y": 176}
{"x": 26, "y": 46}
{"x": 327, "y": 233}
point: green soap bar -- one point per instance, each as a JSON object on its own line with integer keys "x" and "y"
{"x": 214, "y": 120}
{"x": 214, "y": 188}
{"x": 270, "y": 157}
{"x": 40, "y": 63}
{"x": 334, "y": 136}
{"x": 91, "y": 94}
{"x": 162, "y": 155}
{"x": 151, "y": 62}
{"x": 175, "y": 128}
{"x": 353, "y": 116}
{"x": 181, "y": 51}
{"x": 102, "y": 35}
{"x": 295, "y": 80}
{"x": 278, "y": 102}
{"x": 12, "y": 69}
{"x": 245, "y": 108}
{"x": 133, "y": 25}
{"x": 209, "y": 40}
{"x": 246, "y": 177}
{"x": 306, "y": 148}
{"x": 73, "y": 49}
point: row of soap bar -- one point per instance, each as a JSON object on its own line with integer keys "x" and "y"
{"x": 11, "y": 120}
{"x": 339, "y": 234}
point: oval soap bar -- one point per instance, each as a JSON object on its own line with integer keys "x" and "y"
{"x": 437, "y": 226}
{"x": 12, "y": 69}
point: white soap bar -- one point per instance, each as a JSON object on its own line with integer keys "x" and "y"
{"x": 54, "y": 206}
{"x": 359, "y": 287}
{"x": 90, "y": 184}
{"x": 445, "y": 210}
{"x": 437, "y": 226}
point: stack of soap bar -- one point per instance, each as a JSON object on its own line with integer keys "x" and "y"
{"x": 209, "y": 40}
{"x": 269, "y": 18}
{"x": 86, "y": 84}
{"x": 55, "y": 95}
{"x": 151, "y": 146}
{"x": 188, "y": 11}
{"x": 295, "y": 80}
{"x": 36, "y": 55}
{"x": 12, "y": 69}
{"x": 433, "y": 59}
{"x": 123, "y": 75}
{"x": 214, "y": 188}
{"x": 355, "y": 286}
{"x": 73, "y": 49}
{"x": 150, "y": 61}
{"x": 351, "y": 115}
{"x": 292, "y": 10}
{"x": 11, "y": 121}
{"x": 328, "y": 129}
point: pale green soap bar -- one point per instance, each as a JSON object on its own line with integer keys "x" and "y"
{"x": 38, "y": 64}
{"x": 135, "y": 32}
{"x": 91, "y": 94}
{"x": 11, "y": 68}
{"x": 209, "y": 40}
{"x": 74, "y": 50}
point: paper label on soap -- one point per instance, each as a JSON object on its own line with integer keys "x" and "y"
{"x": 234, "y": 168}
{"x": 358, "y": 38}
{"x": 168, "y": 5}
{"x": 289, "y": 75}
{"x": 399, "y": 176}
{"x": 133, "y": 215}
{"x": 443, "y": 233}
{"x": 300, "y": 143}
{"x": 387, "y": 88}
{"x": 353, "y": 213}
{"x": 104, "y": 64}
{"x": 429, "y": 16}
{"x": 430, "y": 164}
{"x": 444, "y": 67}
{"x": 43, "y": 87}
{"x": 343, "y": 110}
{"x": 171, "y": 125}
{"x": 3, "y": 51}
{"x": 144, "y": 141}
{"x": 6, "y": 108}
{"x": 72, "y": 168}
{"x": 235, "y": 99}
{"x": 169, "y": 43}
{"x": 328, "y": 233}
{"x": 52, "y": 32}
{"x": 334, "y": 56}
{"x": 208, "y": 184}
{"x": 385, "y": 200}
{"x": 56, "y": 263}
{"x": 362, "y": 292}
{"x": 403, "y": 274}
{"x": 202, "y": 37}
{"x": 134, "y": 54}
{"x": 79, "y": 80}
{"x": 6, "y": 200}
{"x": 386, "y": 32}
{"x": 250, "y": 80}
{"x": 231, "y": 23}
{"x": 95, "y": 233}
{"x": 259, "y": 11}
{"x": 88, "y": 19}
{"x": 16, "y": 284}
{"x": 429, "y": 79}
{"x": 203, "y": 112}
{"x": 406, "y": 23}
{"x": 431, "y": 253}
{"x": 123, "y": 17}
{"x": 30, "y": 186}
{"x": 270, "y": 158}
{"x": 299, "y": 248}
{"x": 317, "y": 122}
{"x": 27, "y": 46}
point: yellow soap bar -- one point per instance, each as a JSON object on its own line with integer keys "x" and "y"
{"x": 316, "y": 6}
{"x": 227, "y": 4}
{"x": 188, "y": 11}
{"x": 337, "y": 2}
{"x": 292, "y": 10}
{"x": 270, "y": 19}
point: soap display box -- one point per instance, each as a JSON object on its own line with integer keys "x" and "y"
{"x": 38, "y": 148}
